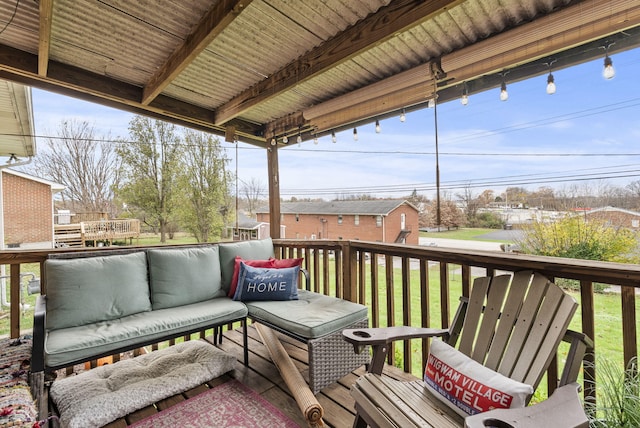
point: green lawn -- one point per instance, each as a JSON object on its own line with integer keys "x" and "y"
{"x": 463, "y": 233}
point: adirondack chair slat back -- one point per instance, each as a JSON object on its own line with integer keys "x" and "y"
{"x": 514, "y": 324}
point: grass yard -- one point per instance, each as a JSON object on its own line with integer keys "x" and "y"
{"x": 463, "y": 233}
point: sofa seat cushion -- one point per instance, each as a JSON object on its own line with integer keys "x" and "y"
{"x": 181, "y": 276}
{"x": 312, "y": 316}
{"x": 72, "y": 344}
{"x": 87, "y": 290}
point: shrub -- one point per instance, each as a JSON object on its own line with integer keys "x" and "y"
{"x": 617, "y": 403}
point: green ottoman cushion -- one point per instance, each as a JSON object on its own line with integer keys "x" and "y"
{"x": 312, "y": 316}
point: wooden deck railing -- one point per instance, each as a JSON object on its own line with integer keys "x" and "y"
{"x": 420, "y": 286}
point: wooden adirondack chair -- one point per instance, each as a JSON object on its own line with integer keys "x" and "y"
{"x": 510, "y": 324}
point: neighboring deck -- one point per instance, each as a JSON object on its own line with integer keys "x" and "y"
{"x": 106, "y": 231}
{"x": 263, "y": 377}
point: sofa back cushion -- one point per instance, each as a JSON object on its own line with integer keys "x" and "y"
{"x": 249, "y": 250}
{"x": 181, "y": 276}
{"x": 87, "y": 290}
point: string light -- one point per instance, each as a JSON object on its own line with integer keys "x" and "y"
{"x": 403, "y": 116}
{"x": 465, "y": 95}
{"x": 608, "y": 72}
{"x": 504, "y": 95}
{"x": 315, "y": 140}
{"x": 551, "y": 85}
{"x": 285, "y": 140}
{"x": 355, "y": 134}
{"x": 333, "y": 137}
{"x": 378, "y": 129}
{"x": 299, "y": 139}
{"x": 273, "y": 141}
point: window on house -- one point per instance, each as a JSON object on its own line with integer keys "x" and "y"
{"x": 340, "y": 219}
{"x": 378, "y": 221}
{"x": 356, "y": 219}
{"x": 635, "y": 223}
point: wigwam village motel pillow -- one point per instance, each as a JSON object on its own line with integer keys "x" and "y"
{"x": 467, "y": 386}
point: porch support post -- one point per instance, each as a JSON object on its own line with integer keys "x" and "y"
{"x": 274, "y": 189}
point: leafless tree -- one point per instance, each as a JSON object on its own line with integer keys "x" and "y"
{"x": 85, "y": 164}
{"x": 470, "y": 201}
{"x": 254, "y": 192}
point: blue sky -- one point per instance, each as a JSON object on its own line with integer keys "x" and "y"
{"x": 587, "y": 129}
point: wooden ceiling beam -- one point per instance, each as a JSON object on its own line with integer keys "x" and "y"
{"x": 374, "y": 29}
{"x": 46, "y": 14}
{"x": 212, "y": 24}
{"x": 22, "y": 67}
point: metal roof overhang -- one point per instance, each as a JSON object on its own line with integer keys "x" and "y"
{"x": 16, "y": 121}
{"x": 257, "y": 69}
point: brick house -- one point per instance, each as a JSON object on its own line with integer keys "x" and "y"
{"x": 376, "y": 220}
{"x": 617, "y": 217}
{"x": 27, "y": 209}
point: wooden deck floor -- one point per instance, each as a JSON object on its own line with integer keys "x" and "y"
{"x": 263, "y": 377}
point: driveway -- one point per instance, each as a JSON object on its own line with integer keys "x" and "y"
{"x": 504, "y": 235}
{"x": 461, "y": 244}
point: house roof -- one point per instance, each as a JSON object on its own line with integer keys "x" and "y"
{"x": 16, "y": 120}
{"x": 55, "y": 187}
{"x": 373, "y": 207}
{"x": 611, "y": 209}
{"x": 246, "y": 223}
{"x": 262, "y": 68}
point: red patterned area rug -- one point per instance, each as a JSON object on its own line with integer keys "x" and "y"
{"x": 228, "y": 405}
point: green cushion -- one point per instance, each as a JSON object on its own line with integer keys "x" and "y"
{"x": 312, "y": 316}
{"x": 249, "y": 250}
{"x": 87, "y": 290}
{"x": 181, "y": 276}
{"x": 83, "y": 342}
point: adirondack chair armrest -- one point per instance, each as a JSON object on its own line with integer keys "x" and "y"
{"x": 380, "y": 338}
{"x": 562, "y": 409}
{"x": 579, "y": 343}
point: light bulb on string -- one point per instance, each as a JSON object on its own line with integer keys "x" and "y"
{"x": 315, "y": 140}
{"x": 285, "y": 140}
{"x": 608, "y": 72}
{"x": 299, "y": 139}
{"x": 355, "y": 134}
{"x": 273, "y": 141}
{"x": 551, "y": 84}
{"x": 465, "y": 95}
{"x": 504, "y": 95}
{"x": 334, "y": 139}
{"x": 378, "y": 129}
{"x": 403, "y": 116}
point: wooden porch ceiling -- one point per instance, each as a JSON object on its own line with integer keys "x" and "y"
{"x": 263, "y": 68}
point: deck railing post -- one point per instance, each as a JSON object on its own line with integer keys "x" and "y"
{"x": 350, "y": 272}
{"x": 15, "y": 300}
